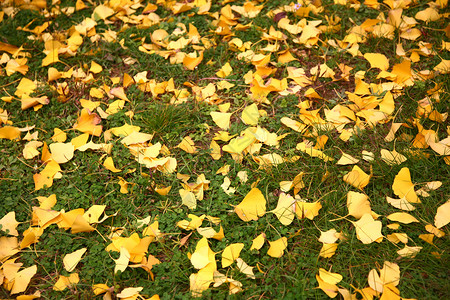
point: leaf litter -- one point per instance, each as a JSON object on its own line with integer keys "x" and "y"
{"x": 369, "y": 104}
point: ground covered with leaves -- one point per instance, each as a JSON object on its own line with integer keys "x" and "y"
{"x": 243, "y": 149}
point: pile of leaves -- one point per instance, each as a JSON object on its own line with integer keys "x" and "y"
{"x": 204, "y": 148}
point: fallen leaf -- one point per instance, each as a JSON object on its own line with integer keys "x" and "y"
{"x": 252, "y": 206}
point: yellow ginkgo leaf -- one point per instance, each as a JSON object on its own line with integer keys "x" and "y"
{"x": 244, "y": 268}
{"x": 409, "y": 252}
{"x": 277, "y": 247}
{"x": 224, "y": 71}
{"x": 403, "y": 187}
{"x": 329, "y": 277}
{"x": 62, "y": 152}
{"x": 188, "y": 198}
{"x": 231, "y": 253}
{"x": 59, "y": 135}
{"x": 313, "y": 152}
{"x": 390, "y": 273}
{"x": 109, "y": 164}
{"x": 187, "y": 145}
{"x": 328, "y": 250}
{"x": 258, "y": 241}
{"x": 193, "y": 224}
{"x": 358, "y": 204}
{"x": 330, "y": 289}
{"x": 377, "y": 60}
{"x": 8, "y": 224}
{"x": 250, "y": 115}
{"x": 95, "y": 68}
{"x": 64, "y": 281}
{"x": 238, "y": 144}
{"x": 22, "y": 279}
{"x": 368, "y": 230}
{"x": 222, "y": 119}
{"x": 442, "y": 217}
{"x": 285, "y": 209}
{"x": 203, "y": 255}
{"x": 347, "y": 159}
{"x": 307, "y": 210}
{"x": 401, "y": 203}
{"x": 93, "y": 213}
{"x": 9, "y": 132}
{"x": 81, "y": 225}
{"x": 427, "y": 15}
{"x": 392, "y": 157}
{"x": 357, "y": 178}
{"x": 252, "y": 206}
{"x": 71, "y": 260}
{"x": 191, "y": 60}
{"x": 123, "y": 260}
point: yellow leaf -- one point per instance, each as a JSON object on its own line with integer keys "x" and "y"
{"x": 9, "y": 132}
{"x": 8, "y": 247}
{"x": 427, "y": 15}
{"x": 277, "y": 247}
{"x": 307, "y": 210}
{"x": 239, "y": 144}
{"x": 71, "y": 260}
{"x": 123, "y": 260}
{"x": 30, "y": 149}
{"x": 87, "y": 123}
{"x": 329, "y": 277}
{"x": 102, "y": 12}
{"x": 124, "y": 130}
{"x": 328, "y": 250}
{"x": 22, "y": 279}
{"x": 409, "y": 252}
{"x": 222, "y": 119}
{"x": 62, "y": 152}
{"x": 231, "y": 253}
{"x": 377, "y": 60}
{"x": 8, "y": 224}
{"x": 81, "y": 225}
{"x": 100, "y": 288}
{"x": 80, "y": 140}
{"x": 330, "y": 289}
{"x": 95, "y": 68}
{"x": 224, "y": 71}
{"x": 59, "y": 135}
{"x": 357, "y": 178}
{"x": 203, "y": 255}
{"x": 191, "y": 61}
{"x": 347, "y": 159}
{"x": 392, "y": 157}
{"x": 252, "y": 206}
{"x": 443, "y": 67}
{"x": 195, "y": 222}
{"x": 136, "y": 138}
{"x": 285, "y": 209}
{"x": 368, "y": 230}
{"x": 401, "y": 203}
{"x": 258, "y": 241}
{"x": 250, "y": 115}
{"x": 403, "y": 187}
{"x": 244, "y": 268}
{"x": 210, "y": 233}
{"x": 109, "y": 164}
{"x": 188, "y": 198}
{"x": 313, "y": 152}
{"x": 65, "y": 281}
{"x": 93, "y": 213}
{"x": 187, "y": 145}
{"x": 358, "y": 204}
{"x": 442, "y": 217}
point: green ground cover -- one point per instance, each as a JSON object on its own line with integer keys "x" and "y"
{"x": 224, "y": 149}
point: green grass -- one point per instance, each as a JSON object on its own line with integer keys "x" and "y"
{"x": 86, "y": 182}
